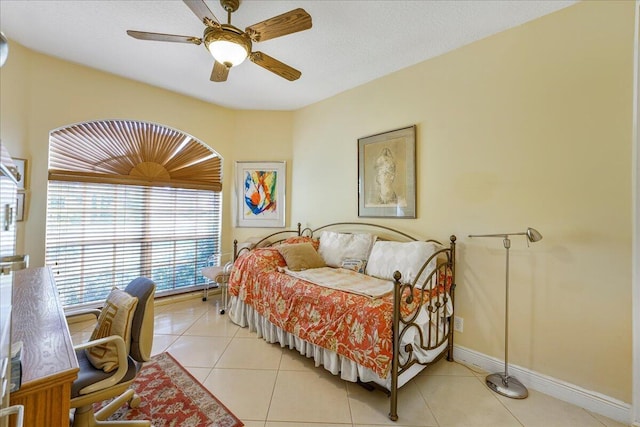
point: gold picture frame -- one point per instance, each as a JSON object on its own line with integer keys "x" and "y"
{"x": 387, "y": 174}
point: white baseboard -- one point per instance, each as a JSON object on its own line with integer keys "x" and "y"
{"x": 590, "y": 400}
{"x": 170, "y": 299}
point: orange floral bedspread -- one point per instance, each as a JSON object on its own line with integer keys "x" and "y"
{"x": 355, "y": 326}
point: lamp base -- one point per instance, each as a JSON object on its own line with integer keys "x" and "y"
{"x": 507, "y": 386}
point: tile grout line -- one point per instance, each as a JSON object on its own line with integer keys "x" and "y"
{"x": 426, "y": 402}
{"x": 494, "y": 395}
{"x": 273, "y": 390}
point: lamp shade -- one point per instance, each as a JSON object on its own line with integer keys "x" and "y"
{"x": 227, "y": 44}
{"x": 533, "y": 235}
{"x": 227, "y": 53}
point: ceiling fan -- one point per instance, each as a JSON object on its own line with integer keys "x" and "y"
{"x": 230, "y": 46}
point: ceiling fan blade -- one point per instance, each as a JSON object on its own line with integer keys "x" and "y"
{"x": 275, "y": 66}
{"x": 219, "y": 73}
{"x": 143, "y": 35}
{"x": 281, "y": 25}
{"x": 202, "y": 11}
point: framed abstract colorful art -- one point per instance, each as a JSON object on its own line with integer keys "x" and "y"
{"x": 260, "y": 194}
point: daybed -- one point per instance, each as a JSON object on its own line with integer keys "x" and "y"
{"x": 382, "y": 327}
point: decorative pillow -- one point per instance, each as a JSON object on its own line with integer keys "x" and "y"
{"x": 357, "y": 265}
{"x": 336, "y": 247}
{"x": 301, "y": 256}
{"x": 115, "y": 319}
{"x": 405, "y": 257}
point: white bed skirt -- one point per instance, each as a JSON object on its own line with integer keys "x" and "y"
{"x": 245, "y": 316}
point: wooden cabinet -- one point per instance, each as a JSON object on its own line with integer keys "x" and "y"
{"x": 49, "y": 363}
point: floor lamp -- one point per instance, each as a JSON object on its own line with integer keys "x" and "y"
{"x": 503, "y": 383}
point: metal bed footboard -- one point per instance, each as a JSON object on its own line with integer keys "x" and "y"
{"x": 424, "y": 287}
{"x": 430, "y": 293}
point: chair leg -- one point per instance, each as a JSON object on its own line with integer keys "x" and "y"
{"x": 114, "y": 405}
{"x": 85, "y": 417}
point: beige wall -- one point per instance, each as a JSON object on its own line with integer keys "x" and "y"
{"x": 261, "y": 136}
{"x": 41, "y": 93}
{"x": 531, "y": 127}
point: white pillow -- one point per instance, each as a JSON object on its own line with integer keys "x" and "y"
{"x": 336, "y": 247}
{"x": 405, "y": 257}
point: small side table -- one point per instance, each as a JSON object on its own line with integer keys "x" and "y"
{"x": 220, "y": 275}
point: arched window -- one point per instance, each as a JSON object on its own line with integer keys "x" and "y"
{"x": 128, "y": 199}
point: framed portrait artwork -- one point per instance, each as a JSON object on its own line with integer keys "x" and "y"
{"x": 260, "y": 194}
{"x": 387, "y": 174}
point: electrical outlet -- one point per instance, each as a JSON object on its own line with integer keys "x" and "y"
{"x": 458, "y": 324}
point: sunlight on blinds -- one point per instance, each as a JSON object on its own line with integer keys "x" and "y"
{"x": 105, "y": 235}
{"x": 128, "y": 199}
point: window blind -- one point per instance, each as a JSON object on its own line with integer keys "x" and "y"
{"x": 132, "y": 152}
{"x": 105, "y": 235}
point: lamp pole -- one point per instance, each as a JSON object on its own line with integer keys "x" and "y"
{"x": 507, "y": 246}
{"x": 503, "y": 383}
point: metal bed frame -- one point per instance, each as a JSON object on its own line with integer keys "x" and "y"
{"x": 404, "y": 294}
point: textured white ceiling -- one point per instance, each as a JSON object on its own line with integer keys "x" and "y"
{"x": 351, "y": 42}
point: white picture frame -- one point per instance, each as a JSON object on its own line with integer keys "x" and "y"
{"x": 20, "y": 202}
{"x": 260, "y": 194}
{"x": 21, "y": 166}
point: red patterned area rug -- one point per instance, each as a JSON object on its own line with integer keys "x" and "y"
{"x": 171, "y": 397}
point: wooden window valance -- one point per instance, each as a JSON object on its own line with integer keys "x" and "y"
{"x": 132, "y": 152}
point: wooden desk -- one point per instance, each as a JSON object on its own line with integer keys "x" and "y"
{"x": 49, "y": 364}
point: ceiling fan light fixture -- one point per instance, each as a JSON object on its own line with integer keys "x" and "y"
{"x": 227, "y": 45}
{"x": 228, "y": 53}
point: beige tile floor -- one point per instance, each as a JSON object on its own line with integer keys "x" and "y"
{"x": 267, "y": 386}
